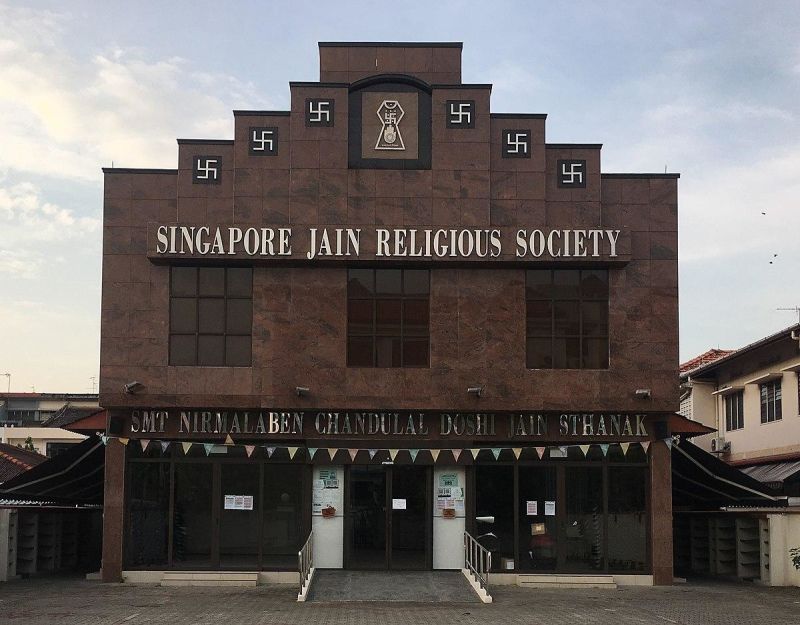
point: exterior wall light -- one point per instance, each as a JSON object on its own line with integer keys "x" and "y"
{"x": 133, "y": 387}
{"x": 301, "y": 390}
{"x": 475, "y": 390}
{"x": 642, "y": 393}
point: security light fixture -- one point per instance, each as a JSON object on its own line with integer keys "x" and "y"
{"x": 475, "y": 390}
{"x": 301, "y": 390}
{"x": 133, "y": 387}
{"x": 642, "y": 393}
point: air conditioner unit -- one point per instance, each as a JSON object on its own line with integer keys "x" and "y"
{"x": 720, "y": 446}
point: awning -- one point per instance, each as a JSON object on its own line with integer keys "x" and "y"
{"x": 73, "y": 477}
{"x": 701, "y": 481}
{"x": 776, "y": 474}
{"x": 678, "y": 424}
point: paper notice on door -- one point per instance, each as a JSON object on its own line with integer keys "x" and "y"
{"x": 398, "y": 504}
{"x": 230, "y": 502}
{"x": 532, "y": 508}
{"x": 549, "y": 508}
{"x": 247, "y": 502}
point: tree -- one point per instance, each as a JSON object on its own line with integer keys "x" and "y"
{"x": 29, "y": 444}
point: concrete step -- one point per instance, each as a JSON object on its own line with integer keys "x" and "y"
{"x": 566, "y": 581}
{"x": 200, "y": 578}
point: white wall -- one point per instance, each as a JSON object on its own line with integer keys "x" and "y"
{"x": 448, "y": 534}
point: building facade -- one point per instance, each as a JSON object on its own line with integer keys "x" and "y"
{"x": 390, "y": 316}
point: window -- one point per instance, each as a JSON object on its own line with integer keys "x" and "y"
{"x": 211, "y": 316}
{"x": 388, "y": 317}
{"x": 734, "y": 411}
{"x": 567, "y": 319}
{"x": 770, "y": 401}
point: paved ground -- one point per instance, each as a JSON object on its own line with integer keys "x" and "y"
{"x": 73, "y": 602}
{"x": 419, "y": 586}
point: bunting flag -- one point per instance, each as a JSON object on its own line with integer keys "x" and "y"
{"x": 540, "y": 452}
{"x": 372, "y": 453}
{"x": 413, "y": 453}
{"x": 517, "y": 452}
{"x": 208, "y": 447}
{"x": 645, "y": 445}
{"x": 124, "y": 441}
{"x": 144, "y": 442}
{"x": 353, "y": 453}
{"x": 186, "y": 447}
{"x": 332, "y": 452}
{"x": 604, "y": 448}
{"x": 164, "y": 446}
{"x": 474, "y": 451}
{"x": 668, "y": 442}
{"x": 104, "y": 439}
{"x": 249, "y": 449}
{"x": 292, "y": 452}
{"x": 584, "y": 449}
{"x": 270, "y": 451}
{"x": 393, "y": 454}
{"x": 496, "y": 452}
{"x": 435, "y": 454}
{"x": 625, "y": 447}
{"x": 311, "y": 452}
{"x": 456, "y": 453}
{"x": 228, "y": 440}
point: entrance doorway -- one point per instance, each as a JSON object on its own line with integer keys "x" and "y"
{"x": 388, "y": 517}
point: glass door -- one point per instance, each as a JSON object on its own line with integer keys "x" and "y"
{"x": 193, "y": 514}
{"x": 409, "y": 517}
{"x": 583, "y": 520}
{"x": 239, "y": 509}
{"x": 367, "y": 517}
{"x": 538, "y": 525}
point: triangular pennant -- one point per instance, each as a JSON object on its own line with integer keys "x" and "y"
{"x": 474, "y": 451}
{"x": 540, "y": 452}
{"x": 186, "y": 447}
{"x": 496, "y": 452}
{"x": 604, "y": 448}
{"x": 517, "y": 452}
{"x": 208, "y": 447}
{"x": 228, "y": 440}
{"x": 332, "y": 452}
{"x": 645, "y": 445}
{"x": 249, "y": 449}
{"x": 292, "y": 452}
{"x": 584, "y": 449}
{"x": 270, "y": 451}
{"x": 104, "y": 439}
{"x": 393, "y": 453}
{"x": 413, "y": 453}
{"x": 123, "y": 441}
{"x": 456, "y": 453}
{"x": 435, "y": 454}
{"x": 668, "y": 442}
{"x": 311, "y": 452}
{"x": 372, "y": 453}
{"x": 164, "y": 446}
{"x": 625, "y": 447}
{"x": 353, "y": 453}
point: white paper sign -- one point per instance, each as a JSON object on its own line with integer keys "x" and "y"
{"x": 549, "y": 508}
{"x": 398, "y": 504}
{"x": 238, "y": 502}
{"x": 230, "y": 501}
{"x": 532, "y": 508}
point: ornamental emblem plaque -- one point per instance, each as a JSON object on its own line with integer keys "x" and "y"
{"x": 389, "y": 138}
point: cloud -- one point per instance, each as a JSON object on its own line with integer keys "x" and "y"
{"x": 66, "y": 116}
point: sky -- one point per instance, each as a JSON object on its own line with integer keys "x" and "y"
{"x": 710, "y": 90}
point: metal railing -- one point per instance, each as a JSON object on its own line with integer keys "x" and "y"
{"x": 477, "y": 560}
{"x": 305, "y": 562}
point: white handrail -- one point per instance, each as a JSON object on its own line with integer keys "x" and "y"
{"x": 305, "y": 565}
{"x": 477, "y": 560}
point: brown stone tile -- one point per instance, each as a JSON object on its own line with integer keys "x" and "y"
{"x": 305, "y": 155}
{"x": 361, "y": 210}
{"x": 304, "y": 183}
{"x": 417, "y": 183}
{"x": 247, "y": 182}
{"x": 303, "y": 210}
{"x": 332, "y": 153}
{"x": 275, "y": 211}
{"x": 503, "y": 185}
{"x": 275, "y": 183}
{"x": 333, "y": 210}
{"x": 389, "y": 211}
{"x": 361, "y": 183}
{"x": 247, "y": 210}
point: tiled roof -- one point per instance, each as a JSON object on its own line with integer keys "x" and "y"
{"x": 703, "y": 359}
{"x": 15, "y": 460}
{"x": 67, "y": 415}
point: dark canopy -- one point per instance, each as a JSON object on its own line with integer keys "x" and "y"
{"x": 701, "y": 481}
{"x": 73, "y": 477}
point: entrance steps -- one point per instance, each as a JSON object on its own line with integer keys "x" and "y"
{"x": 197, "y": 578}
{"x": 566, "y": 581}
{"x": 409, "y": 586}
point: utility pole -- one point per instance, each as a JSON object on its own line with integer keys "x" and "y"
{"x": 8, "y": 375}
{"x": 94, "y": 383}
{"x": 794, "y": 309}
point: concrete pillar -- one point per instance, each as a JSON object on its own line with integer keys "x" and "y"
{"x": 661, "y": 513}
{"x": 113, "y": 511}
